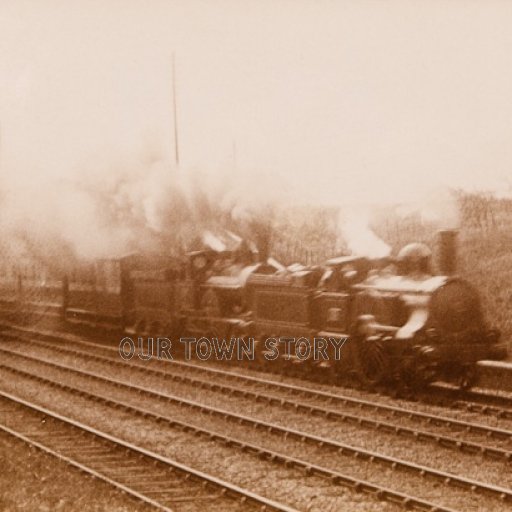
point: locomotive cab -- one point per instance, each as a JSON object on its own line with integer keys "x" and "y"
{"x": 333, "y": 299}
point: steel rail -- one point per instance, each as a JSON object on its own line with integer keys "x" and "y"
{"x": 112, "y": 455}
{"x": 341, "y": 448}
{"x": 475, "y": 400}
{"x": 444, "y": 440}
{"x": 472, "y": 400}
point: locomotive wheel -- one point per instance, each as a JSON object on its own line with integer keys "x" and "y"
{"x": 373, "y": 363}
{"x": 420, "y": 372}
{"x": 467, "y": 378}
{"x": 259, "y": 348}
{"x": 325, "y": 372}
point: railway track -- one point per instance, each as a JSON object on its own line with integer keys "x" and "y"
{"x": 489, "y": 402}
{"x": 307, "y": 400}
{"x": 157, "y": 481}
{"x": 494, "y": 403}
{"x": 503, "y": 495}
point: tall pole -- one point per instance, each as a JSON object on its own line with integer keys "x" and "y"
{"x": 176, "y": 149}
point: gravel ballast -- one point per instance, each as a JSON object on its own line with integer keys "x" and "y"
{"x": 422, "y": 488}
{"x": 34, "y": 481}
{"x": 289, "y": 486}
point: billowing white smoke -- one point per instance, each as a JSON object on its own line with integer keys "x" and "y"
{"x": 111, "y": 211}
{"x": 114, "y": 210}
{"x": 93, "y": 217}
{"x": 358, "y": 236}
{"x": 61, "y": 216}
{"x": 164, "y": 194}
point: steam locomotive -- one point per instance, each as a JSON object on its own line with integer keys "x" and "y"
{"x": 402, "y": 322}
{"x": 398, "y": 321}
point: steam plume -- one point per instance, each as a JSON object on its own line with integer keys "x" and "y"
{"x": 360, "y": 239}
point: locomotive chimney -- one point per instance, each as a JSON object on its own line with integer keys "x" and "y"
{"x": 447, "y": 252}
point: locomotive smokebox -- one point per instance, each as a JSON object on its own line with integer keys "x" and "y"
{"x": 447, "y": 252}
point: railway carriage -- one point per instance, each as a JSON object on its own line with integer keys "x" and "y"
{"x": 31, "y": 292}
{"x": 41, "y": 291}
{"x": 99, "y": 293}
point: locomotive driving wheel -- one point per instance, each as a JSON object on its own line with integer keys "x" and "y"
{"x": 467, "y": 377}
{"x": 373, "y": 363}
{"x": 421, "y": 370}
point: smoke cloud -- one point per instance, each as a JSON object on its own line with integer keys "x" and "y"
{"x": 357, "y": 234}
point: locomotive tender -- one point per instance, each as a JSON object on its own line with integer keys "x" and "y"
{"x": 398, "y": 320}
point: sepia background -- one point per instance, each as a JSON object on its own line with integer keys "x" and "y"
{"x": 135, "y": 132}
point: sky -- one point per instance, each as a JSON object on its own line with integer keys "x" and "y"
{"x": 325, "y": 101}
